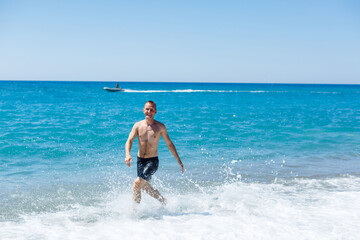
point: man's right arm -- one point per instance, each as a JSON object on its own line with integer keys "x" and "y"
{"x": 129, "y": 143}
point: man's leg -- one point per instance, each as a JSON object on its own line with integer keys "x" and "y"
{"x": 153, "y": 192}
{"x": 137, "y": 186}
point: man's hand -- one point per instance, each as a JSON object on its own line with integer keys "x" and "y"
{"x": 128, "y": 159}
{"x": 182, "y": 168}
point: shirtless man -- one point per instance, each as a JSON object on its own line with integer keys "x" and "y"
{"x": 148, "y": 132}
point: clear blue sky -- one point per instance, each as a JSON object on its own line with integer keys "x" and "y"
{"x": 299, "y": 41}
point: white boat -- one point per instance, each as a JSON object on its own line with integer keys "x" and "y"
{"x": 114, "y": 89}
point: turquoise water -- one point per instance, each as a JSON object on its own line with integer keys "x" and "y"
{"x": 62, "y": 148}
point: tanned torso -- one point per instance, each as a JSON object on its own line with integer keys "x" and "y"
{"x": 148, "y": 138}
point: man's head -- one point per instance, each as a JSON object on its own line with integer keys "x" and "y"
{"x": 149, "y": 109}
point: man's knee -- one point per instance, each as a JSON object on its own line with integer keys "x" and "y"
{"x": 138, "y": 183}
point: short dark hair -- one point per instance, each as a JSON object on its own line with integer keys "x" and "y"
{"x": 151, "y": 102}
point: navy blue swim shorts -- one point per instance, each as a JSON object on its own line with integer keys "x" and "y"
{"x": 146, "y": 167}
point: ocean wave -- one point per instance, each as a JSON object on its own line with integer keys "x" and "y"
{"x": 295, "y": 208}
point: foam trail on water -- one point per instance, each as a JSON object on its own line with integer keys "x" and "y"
{"x": 191, "y": 91}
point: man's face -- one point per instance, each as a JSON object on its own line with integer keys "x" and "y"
{"x": 149, "y": 110}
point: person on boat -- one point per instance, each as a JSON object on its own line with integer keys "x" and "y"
{"x": 117, "y": 85}
{"x": 148, "y": 132}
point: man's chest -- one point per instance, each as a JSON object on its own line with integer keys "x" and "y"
{"x": 149, "y": 133}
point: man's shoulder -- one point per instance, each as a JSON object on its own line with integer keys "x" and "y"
{"x": 139, "y": 123}
{"x": 160, "y": 125}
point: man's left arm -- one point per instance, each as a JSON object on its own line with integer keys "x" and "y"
{"x": 171, "y": 147}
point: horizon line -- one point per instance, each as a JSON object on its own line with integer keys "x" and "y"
{"x": 115, "y": 81}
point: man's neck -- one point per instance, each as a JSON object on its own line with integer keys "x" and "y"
{"x": 149, "y": 121}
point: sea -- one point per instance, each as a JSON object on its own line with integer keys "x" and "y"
{"x": 262, "y": 161}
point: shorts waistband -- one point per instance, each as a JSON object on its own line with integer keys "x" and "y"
{"x": 147, "y": 159}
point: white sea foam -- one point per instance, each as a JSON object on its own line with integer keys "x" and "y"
{"x": 294, "y": 209}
